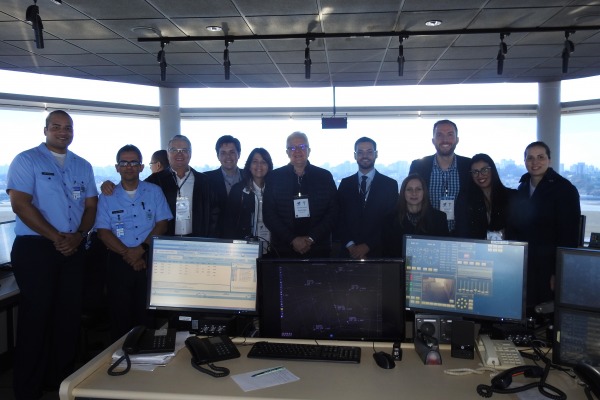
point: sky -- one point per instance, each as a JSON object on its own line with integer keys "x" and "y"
{"x": 97, "y": 138}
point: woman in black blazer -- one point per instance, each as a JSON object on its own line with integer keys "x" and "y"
{"x": 488, "y": 202}
{"x": 414, "y": 215}
{"x": 243, "y": 217}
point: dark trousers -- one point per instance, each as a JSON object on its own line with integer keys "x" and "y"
{"x": 51, "y": 287}
{"x": 126, "y": 291}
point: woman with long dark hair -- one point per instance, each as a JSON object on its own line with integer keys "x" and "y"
{"x": 243, "y": 216}
{"x": 487, "y": 204}
{"x": 414, "y": 215}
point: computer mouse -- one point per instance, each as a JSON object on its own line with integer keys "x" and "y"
{"x": 384, "y": 360}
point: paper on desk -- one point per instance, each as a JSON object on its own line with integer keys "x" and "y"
{"x": 248, "y": 382}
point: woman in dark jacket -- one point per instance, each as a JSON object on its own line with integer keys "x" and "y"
{"x": 487, "y": 205}
{"x": 545, "y": 214}
{"x": 413, "y": 215}
{"x": 243, "y": 217}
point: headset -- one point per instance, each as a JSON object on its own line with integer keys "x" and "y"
{"x": 502, "y": 381}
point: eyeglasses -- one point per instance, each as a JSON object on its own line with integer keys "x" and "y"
{"x": 124, "y": 163}
{"x": 302, "y": 147}
{"x": 152, "y": 163}
{"x": 185, "y": 150}
{"x": 483, "y": 171}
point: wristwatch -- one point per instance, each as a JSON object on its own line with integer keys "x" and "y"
{"x": 83, "y": 234}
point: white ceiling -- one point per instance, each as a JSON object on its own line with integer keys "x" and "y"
{"x": 96, "y": 40}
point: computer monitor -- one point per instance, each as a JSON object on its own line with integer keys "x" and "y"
{"x": 331, "y": 299}
{"x": 7, "y": 237}
{"x": 577, "y": 307}
{"x": 203, "y": 275}
{"x": 475, "y": 279}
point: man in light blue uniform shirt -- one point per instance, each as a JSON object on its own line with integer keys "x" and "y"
{"x": 53, "y": 194}
{"x": 126, "y": 222}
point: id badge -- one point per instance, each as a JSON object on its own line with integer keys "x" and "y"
{"x": 119, "y": 229}
{"x": 76, "y": 192}
{"x": 149, "y": 215}
{"x": 495, "y": 235}
{"x": 301, "y": 207}
{"x": 182, "y": 208}
{"x": 447, "y": 206}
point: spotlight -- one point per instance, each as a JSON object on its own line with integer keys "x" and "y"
{"x": 32, "y": 14}
{"x": 502, "y": 53}
{"x": 401, "y": 55}
{"x": 566, "y": 53}
{"x": 162, "y": 60}
{"x": 226, "y": 62}
{"x": 307, "y": 60}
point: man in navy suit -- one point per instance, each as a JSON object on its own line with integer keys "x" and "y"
{"x": 366, "y": 199}
{"x": 446, "y": 173}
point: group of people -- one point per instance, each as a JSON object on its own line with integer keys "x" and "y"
{"x": 296, "y": 210}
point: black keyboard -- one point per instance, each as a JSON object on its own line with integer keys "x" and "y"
{"x": 307, "y": 352}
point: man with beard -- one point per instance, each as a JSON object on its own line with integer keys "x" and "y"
{"x": 446, "y": 173}
{"x": 366, "y": 199}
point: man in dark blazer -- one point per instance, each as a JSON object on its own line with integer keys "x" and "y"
{"x": 228, "y": 174}
{"x": 446, "y": 173}
{"x": 189, "y": 193}
{"x": 300, "y": 205}
{"x": 364, "y": 207}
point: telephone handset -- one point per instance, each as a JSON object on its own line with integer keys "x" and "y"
{"x": 143, "y": 340}
{"x": 209, "y": 350}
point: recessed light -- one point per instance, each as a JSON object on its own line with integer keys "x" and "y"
{"x": 214, "y": 28}
{"x": 433, "y": 22}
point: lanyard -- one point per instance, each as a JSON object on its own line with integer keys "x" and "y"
{"x": 182, "y": 183}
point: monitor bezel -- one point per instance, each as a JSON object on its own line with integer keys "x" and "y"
{"x": 560, "y": 270}
{"x": 267, "y": 328}
{"x": 220, "y": 312}
{"x": 558, "y": 356}
{"x": 466, "y": 315}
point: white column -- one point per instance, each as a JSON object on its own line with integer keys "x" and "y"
{"x": 548, "y": 119}
{"x": 170, "y": 116}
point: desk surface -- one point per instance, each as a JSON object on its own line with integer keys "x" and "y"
{"x": 318, "y": 380}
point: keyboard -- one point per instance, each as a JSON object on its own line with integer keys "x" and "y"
{"x": 306, "y": 352}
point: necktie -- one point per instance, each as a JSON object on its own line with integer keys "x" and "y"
{"x": 363, "y": 188}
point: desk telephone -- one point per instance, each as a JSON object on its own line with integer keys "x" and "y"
{"x": 142, "y": 340}
{"x": 209, "y": 350}
{"x": 498, "y": 354}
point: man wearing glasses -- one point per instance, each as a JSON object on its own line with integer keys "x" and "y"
{"x": 446, "y": 173}
{"x": 366, "y": 199}
{"x": 126, "y": 222}
{"x": 189, "y": 194}
{"x": 300, "y": 204}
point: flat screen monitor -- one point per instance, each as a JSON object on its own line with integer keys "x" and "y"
{"x": 578, "y": 278}
{"x": 331, "y": 299}
{"x": 476, "y": 279}
{"x": 204, "y": 275}
{"x": 577, "y": 307}
{"x": 7, "y": 237}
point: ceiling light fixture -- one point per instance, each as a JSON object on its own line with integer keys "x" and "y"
{"x": 307, "y": 60}
{"x": 433, "y": 22}
{"x": 162, "y": 60}
{"x": 32, "y": 14}
{"x": 401, "y": 55}
{"x": 502, "y": 53}
{"x": 214, "y": 28}
{"x": 226, "y": 62}
{"x": 59, "y": 2}
{"x": 567, "y": 50}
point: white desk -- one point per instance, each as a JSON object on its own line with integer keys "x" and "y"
{"x": 318, "y": 380}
